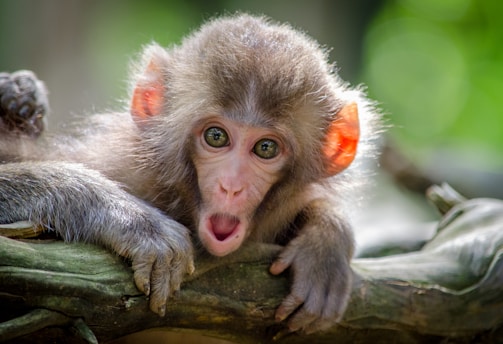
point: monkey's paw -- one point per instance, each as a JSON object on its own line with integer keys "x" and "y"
{"x": 161, "y": 263}
{"x": 320, "y": 291}
{"x": 23, "y": 103}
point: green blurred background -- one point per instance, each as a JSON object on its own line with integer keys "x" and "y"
{"x": 436, "y": 67}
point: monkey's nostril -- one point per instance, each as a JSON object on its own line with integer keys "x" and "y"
{"x": 230, "y": 191}
{"x": 223, "y": 190}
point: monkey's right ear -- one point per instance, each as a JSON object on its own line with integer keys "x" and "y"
{"x": 341, "y": 140}
{"x": 148, "y": 95}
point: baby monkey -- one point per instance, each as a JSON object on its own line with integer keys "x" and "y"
{"x": 243, "y": 132}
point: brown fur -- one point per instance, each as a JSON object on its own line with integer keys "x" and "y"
{"x": 245, "y": 69}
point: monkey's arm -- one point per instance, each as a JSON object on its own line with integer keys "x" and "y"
{"x": 82, "y": 205}
{"x": 319, "y": 259}
{"x": 448, "y": 291}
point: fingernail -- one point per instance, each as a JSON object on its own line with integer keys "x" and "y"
{"x": 274, "y": 268}
{"x": 162, "y": 311}
{"x": 279, "y": 317}
{"x": 281, "y": 334}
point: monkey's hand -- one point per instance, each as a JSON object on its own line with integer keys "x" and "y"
{"x": 322, "y": 278}
{"x": 161, "y": 259}
{"x": 23, "y": 103}
{"x": 83, "y": 205}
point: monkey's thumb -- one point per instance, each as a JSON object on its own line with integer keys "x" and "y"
{"x": 278, "y": 267}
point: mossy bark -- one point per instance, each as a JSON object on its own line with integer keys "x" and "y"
{"x": 451, "y": 289}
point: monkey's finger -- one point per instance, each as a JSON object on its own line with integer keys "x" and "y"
{"x": 167, "y": 276}
{"x": 302, "y": 320}
{"x": 161, "y": 285}
{"x": 278, "y": 267}
{"x": 284, "y": 261}
{"x": 157, "y": 307}
{"x": 318, "y": 325}
{"x": 178, "y": 271}
{"x": 142, "y": 271}
{"x": 190, "y": 267}
{"x": 288, "y": 306}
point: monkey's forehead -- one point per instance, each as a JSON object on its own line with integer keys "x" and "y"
{"x": 252, "y": 70}
{"x": 243, "y": 48}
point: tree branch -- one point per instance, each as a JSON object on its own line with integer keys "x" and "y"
{"x": 451, "y": 288}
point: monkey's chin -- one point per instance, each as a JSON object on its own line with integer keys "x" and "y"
{"x": 222, "y": 234}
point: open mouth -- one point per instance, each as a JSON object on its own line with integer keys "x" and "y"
{"x": 223, "y": 225}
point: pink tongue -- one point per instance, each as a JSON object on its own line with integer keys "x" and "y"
{"x": 223, "y": 225}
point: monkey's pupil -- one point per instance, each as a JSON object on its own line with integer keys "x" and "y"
{"x": 216, "y": 137}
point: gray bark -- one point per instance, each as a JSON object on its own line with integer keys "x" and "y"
{"x": 450, "y": 290}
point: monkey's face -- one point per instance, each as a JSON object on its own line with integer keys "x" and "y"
{"x": 282, "y": 112}
{"x": 236, "y": 166}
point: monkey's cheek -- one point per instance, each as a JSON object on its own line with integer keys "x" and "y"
{"x": 224, "y": 247}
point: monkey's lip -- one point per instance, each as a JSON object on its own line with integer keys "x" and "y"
{"x": 223, "y": 225}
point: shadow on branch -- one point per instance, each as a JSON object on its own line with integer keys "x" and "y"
{"x": 450, "y": 289}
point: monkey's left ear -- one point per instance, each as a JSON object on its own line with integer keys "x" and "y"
{"x": 148, "y": 95}
{"x": 341, "y": 140}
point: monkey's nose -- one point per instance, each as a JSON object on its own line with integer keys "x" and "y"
{"x": 230, "y": 189}
{"x": 230, "y": 192}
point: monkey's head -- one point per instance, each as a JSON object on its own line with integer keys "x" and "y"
{"x": 248, "y": 105}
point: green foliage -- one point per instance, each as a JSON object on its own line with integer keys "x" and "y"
{"x": 122, "y": 28}
{"x": 436, "y": 67}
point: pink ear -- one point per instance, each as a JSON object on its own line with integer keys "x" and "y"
{"x": 341, "y": 140}
{"x": 148, "y": 94}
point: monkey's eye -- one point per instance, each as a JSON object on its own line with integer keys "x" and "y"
{"x": 216, "y": 137}
{"x": 266, "y": 149}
